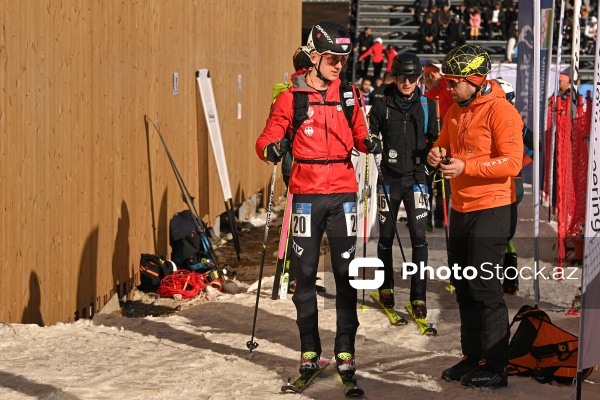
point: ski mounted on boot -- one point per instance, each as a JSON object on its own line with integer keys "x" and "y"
{"x": 350, "y": 387}
{"x": 395, "y": 318}
{"x": 303, "y": 382}
{"x": 425, "y": 327}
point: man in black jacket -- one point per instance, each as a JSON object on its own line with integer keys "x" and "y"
{"x": 406, "y": 121}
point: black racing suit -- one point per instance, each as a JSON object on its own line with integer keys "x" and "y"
{"x": 401, "y": 124}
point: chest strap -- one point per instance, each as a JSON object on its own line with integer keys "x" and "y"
{"x": 345, "y": 160}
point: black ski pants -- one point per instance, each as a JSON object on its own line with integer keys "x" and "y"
{"x": 410, "y": 189}
{"x": 312, "y": 215}
{"x": 478, "y": 239}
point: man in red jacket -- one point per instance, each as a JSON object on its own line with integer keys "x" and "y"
{"x": 324, "y": 186}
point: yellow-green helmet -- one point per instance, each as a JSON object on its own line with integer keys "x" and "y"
{"x": 467, "y": 60}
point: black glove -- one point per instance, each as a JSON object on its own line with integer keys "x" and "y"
{"x": 373, "y": 144}
{"x": 272, "y": 153}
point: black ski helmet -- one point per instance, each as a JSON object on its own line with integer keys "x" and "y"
{"x": 329, "y": 37}
{"x": 302, "y": 58}
{"x": 407, "y": 64}
{"x": 467, "y": 60}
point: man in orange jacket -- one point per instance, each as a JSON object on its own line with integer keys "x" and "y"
{"x": 480, "y": 149}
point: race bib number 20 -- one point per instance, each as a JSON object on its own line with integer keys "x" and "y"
{"x": 351, "y": 218}
{"x": 301, "y": 219}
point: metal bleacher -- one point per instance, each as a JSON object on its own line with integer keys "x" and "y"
{"x": 393, "y": 21}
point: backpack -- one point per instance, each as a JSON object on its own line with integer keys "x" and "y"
{"x": 190, "y": 248}
{"x": 301, "y": 104}
{"x": 153, "y": 269}
{"x": 542, "y": 350}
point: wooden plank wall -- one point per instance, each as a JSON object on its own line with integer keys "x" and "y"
{"x": 85, "y": 184}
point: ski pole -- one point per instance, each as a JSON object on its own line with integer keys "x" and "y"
{"x": 251, "y": 344}
{"x": 450, "y": 287}
{"x": 380, "y": 176}
{"x": 189, "y": 201}
{"x": 365, "y": 219}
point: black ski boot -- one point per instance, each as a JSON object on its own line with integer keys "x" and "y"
{"x": 419, "y": 309}
{"x": 485, "y": 376}
{"x": 345, "y": 365}
{"x": 457, "y": 371}
{"x": 386, "y": 296}
{"x": 309, "y": 363}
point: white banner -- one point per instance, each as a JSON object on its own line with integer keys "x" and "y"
{"x": 589, "y": 345}
{"x": 359, "y": 163}
{"x": 214, "y": 129}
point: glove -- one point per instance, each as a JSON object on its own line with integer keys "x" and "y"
{"x": 272, "y": 153}
{"x": 373, "y": 144}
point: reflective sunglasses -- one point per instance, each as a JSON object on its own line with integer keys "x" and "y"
{"x": 334, "y": 59}
{"x": 411, "y": 78}
{"x": 453, "y": 83}
{"x": 510, "y": 96}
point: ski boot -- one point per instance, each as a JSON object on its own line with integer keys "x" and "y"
{"x": 457, "y": 371}
{"x": 419, "y": 309}
{"x": 485, "y": 376}
{"x": 345, "y": 365}
{"x": 386, "y": 297}
{"x": 309, "y": 363}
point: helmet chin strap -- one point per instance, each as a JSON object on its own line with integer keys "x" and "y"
{"x": 465, "y": 103}
{"x": 319, "y": 75}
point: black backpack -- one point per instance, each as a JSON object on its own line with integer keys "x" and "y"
{"x": 190, "y": 248}
{"x": 153, "y": 269}
{"x": 301, "y": 104}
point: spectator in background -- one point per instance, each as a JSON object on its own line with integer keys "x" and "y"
{"x": 564, "y": 86}
{"x": 443, "y": 18}
{"x": 464, "y": 13}
{"x": 436, "y": 88}
{"x": 391, "y": 53}
{"x": 511, "y": 47}
{"x": 366, "y": 89}
{"x": 456, "y": 34}
{"x": 474, "y": 23}
{"x": 365, "y": 41}
{"x": 496, "y": 20}
{"x": 589, "y": 35}
{"x": 428, "y": 36}
{"x": 417, "y": 9}
{"x": 377, "y": 93}
{"x": 377, "y": 50}
{"x": 378, "y": 82}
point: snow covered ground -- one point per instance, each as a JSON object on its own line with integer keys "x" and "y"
{"x": 200, "y": 352}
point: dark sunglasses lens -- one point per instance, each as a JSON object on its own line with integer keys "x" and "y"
{"x": 510, "y": 96}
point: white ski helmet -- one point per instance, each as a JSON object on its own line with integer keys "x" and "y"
{"x": 508, "y": 89}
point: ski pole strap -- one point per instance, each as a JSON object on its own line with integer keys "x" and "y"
{"x": 345, "y": 160}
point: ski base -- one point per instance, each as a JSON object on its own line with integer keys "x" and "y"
{"x": 302, "y": 383}
{"x": 425, "y": 327}
{"x": 395, "y": 318}
{"x": 350, "y": 387}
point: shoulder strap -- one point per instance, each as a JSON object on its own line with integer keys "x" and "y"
{"x": 348, "y": 95}
{"x": 301, "y": 103}
{"x": 426, "y": 111}
{"x": 300, "y": 111}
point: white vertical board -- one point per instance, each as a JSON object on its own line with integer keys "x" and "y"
{"x": 214, "y": 129}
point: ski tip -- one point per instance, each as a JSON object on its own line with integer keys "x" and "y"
{"x": 364, "y": 308}
{"x": 450, "y": 288}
